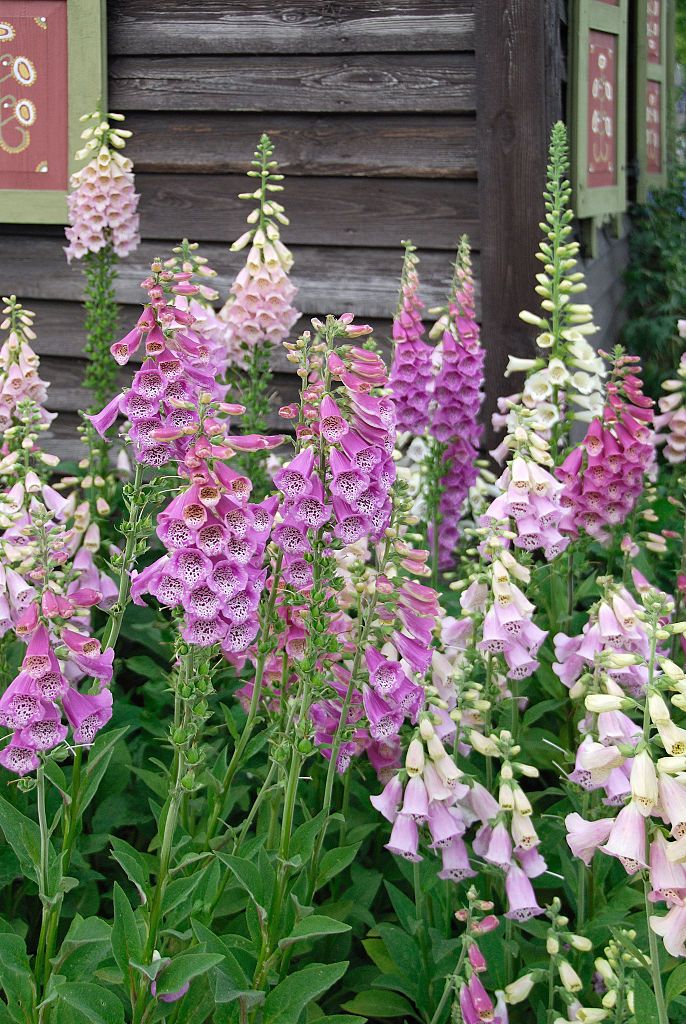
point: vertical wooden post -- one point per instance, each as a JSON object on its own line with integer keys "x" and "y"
{"x": 519, "y": 77}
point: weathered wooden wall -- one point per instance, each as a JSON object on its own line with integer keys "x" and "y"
{"x": 371, "y": 106}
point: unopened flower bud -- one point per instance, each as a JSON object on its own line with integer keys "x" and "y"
{"x": 414, "y": 760}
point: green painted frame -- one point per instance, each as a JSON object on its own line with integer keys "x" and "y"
{"x": 87, "y": 85}
{"x": 585, "y": 16}
{"x": 646, "y": 72}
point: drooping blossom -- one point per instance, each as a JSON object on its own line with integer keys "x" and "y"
{"x": 103, "y": 200}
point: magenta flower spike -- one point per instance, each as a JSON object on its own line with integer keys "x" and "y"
{"x": 411, "y": 375}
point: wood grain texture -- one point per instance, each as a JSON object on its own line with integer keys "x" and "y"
{"x": 329, "y": 279}
{"x": 356, "y": 212}
{"x": 61, "y": 333}
{"x": 376, "y": 146}
{"x": 379, "y": 83}
{"x": 274, "y": 26}
{"x": 514, "y": 79}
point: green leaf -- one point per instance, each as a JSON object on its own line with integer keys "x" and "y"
{"x": 231, "y": 981}
{"x": 286, "y": 1002}
{"x": 127, "y": 944}
{"x": 142, "y": 665}
{"x": 98, "y": 762}
{"x": 334, "y": 861}
{"x": 676, "y": 983}
{"x": 181, "y": 889}
{"x": 313, "y": 927}
{"x": 645, "y": 1004}
{"x": 16, "y": 977}
{"x": 153, "y": 780}
{"x": 132, "y": 863}
{"x": 402, "y": 949}
{"x": 85, "y": 946}
{"x": 23, "y": 835}
{"x": 405, "y": 909}
{"x": 380, "y": 1004}
{"x": 247, "y": 875}
{"x": 305, "y": 836}
{"x": 183, "y": 969}
{"x": 377, "y": 952}
{"x": 338, "y": 1018}
{"x": 84, "y": 1003}
{"x": 538, "y": 710}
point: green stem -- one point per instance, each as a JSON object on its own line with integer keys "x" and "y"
{"x": 582, "y": 875}
{"x": 170, "y": 817}
{"x": 551, "y": 991}
{"x": 345, "y": 804}
{"x": 234, "y": 763}
{"x": 451, "y": 980}
{"x": 509, "y": 956}
{"x": 662, "y": 1015}
{"x": 338, "y": 737}
{"x": 42, "y": 962}
{"x": 420, "y": 912}
{"x": 136, "y": 510}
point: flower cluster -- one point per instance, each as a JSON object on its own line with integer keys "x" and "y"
{"x": 336, "y": 495}
{"x": 649, "y": 756}
{"x": 19, "y": 378}
{"x": 672, "y": 419}
{"x": 47, "y": 605}
{"x": 604, "y": 476}
{"x": 224, "y": 348}
{"x": 411, "y": 376}
{"x": 530, "y": 496}
{"x": 176, "y": 381}
{"x": 215, "y": 539}
{"x": 564, "y": 382}
{"x": 259, "y": 309}
{"x": 458, "y": 397}
{"x": 103, "y": 200}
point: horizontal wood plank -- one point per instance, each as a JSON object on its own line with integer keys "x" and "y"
{"x": 274, "y": 26}
{"x": 433, "y": 82}
{"x": 61, "y": 335}
{"x": 67, "y": 394}
{"x": 329, "y": 279}
{"x": 383, "y": 146}
{"x": 322, "y": 211}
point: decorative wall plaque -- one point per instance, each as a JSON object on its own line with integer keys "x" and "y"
{"x": 51, "y": 71}
{"x": 598, "y": 106}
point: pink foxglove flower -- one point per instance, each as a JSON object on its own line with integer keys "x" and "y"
{"x": 259, "y": 309}
{"x": 604, "y": 477}
{"x": 103, "y": 200}
{"x": 671, "y": 422}
{"x": 19, "y": 368}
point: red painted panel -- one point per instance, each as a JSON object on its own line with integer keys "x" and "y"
{"x": 653, "y": 128}
{"x": 653, "y": 33}
{"x": 602, "y": 110}
{"x": 33, "y": 94}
